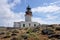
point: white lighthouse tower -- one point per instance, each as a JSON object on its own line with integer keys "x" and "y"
{"x": 28, "y": 14}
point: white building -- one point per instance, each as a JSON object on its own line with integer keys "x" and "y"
{"x": 27, "y": 22}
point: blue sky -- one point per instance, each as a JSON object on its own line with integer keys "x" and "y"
{"x": 44, "y": 11}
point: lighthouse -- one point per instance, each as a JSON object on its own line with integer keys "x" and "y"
{"x": 28, "y": 20}
{"x": 28, "y": 14}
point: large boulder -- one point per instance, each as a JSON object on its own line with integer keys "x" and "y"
{"x": 54, "y": 36}
{"x": 47, "y": 32}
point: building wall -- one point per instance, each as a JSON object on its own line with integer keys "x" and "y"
{"x": 17, "y": 24}
{"x": 27, "y": 24}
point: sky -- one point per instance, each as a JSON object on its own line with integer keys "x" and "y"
{"x": 44, "y": 11}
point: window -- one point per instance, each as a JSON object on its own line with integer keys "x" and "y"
{"x": 23, "y": 25}
{"x": 29, "y": 24}
{"x": 34, "y": 24}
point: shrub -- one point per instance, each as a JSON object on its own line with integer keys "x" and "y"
{"x": 14, "y": 38}
{"x": 36, "y": 38}
{"x": 1, "y": 33}
{"x": 15, "y": 31}
{"x": 29, "y": 30}
{"x": 26, "y": 28}
{"x": 58, "y": 28}
{"x": 6, "y": 36}
{"x": 34, "y": 30}
{"x": 7, "y": 33}
{"x": 13, "y": 34}
{"x": 24, "y": 36}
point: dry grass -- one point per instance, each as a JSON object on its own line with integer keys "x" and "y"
{"x": 27, "y": 32}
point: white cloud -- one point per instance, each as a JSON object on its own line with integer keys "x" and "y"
{"x": 51, "y": 11}
{"x": 7, "y": 17}
{"x": 39, "y": 20}
{"x": 50, "y": 17}
{"x": 50, "y": 8}
{"x": 56, "y": 3}
{"x": 15, "y": 2}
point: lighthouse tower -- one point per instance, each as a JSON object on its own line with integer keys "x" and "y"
{"x": 28, "y": 14}
{"x": 27, "y": 22}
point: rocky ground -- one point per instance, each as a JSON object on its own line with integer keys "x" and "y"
{"x": 31, "y": 33}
